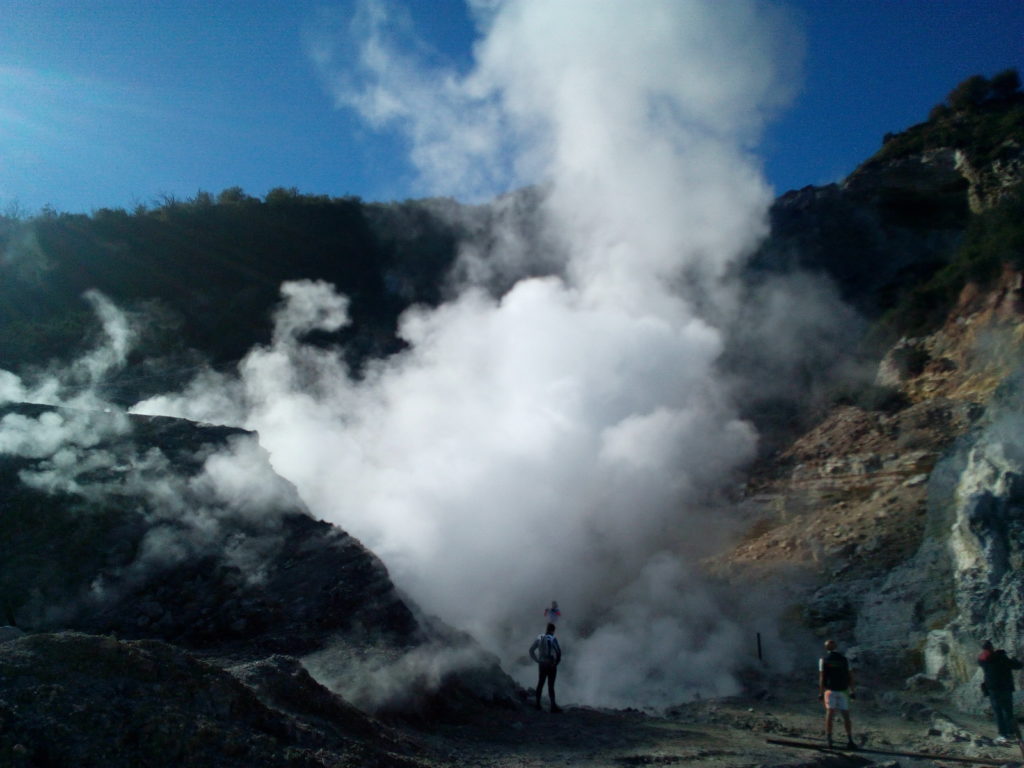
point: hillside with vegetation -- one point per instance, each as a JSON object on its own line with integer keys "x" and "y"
{"x": 935, "y": 208}
{"x": 203, "y": 275}
{"x": 982, "y": 117}
{"x": 982, "y": 121}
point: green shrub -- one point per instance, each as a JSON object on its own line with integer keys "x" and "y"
{"x": 970, "y": 94}
{"x": 978, "y": 117}
{"x": 1006, "y": 84}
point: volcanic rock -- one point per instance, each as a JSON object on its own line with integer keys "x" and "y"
{"x": 84, "y": 700}
{"x": 147, "y": 534}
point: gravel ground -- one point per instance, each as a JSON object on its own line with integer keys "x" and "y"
{"x": 729, "y": 733}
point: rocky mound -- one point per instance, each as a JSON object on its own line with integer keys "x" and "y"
{"x": 82, "y": 700}
{"x": 193, "y": 566}
{"x": 147, "y": 527}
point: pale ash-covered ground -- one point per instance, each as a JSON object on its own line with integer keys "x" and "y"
{"x": 730, "y": 733}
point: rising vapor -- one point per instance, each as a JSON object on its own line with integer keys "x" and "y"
{"x": 567, "y": 439}
{"x": 83, "y": 448}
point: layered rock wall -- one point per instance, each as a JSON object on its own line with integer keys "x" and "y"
{"x": 906, "y": 524}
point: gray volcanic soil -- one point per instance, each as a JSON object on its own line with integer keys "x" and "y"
{"x": 72, "y": 699}
{"x": 727, "y": 733}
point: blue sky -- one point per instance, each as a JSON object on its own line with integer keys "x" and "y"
{"x": 112, "y": 103}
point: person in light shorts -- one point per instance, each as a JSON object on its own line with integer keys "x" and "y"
{"x": 835, "y": 688}
{"x": 837, "y": 700}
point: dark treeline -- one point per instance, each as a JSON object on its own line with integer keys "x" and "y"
{"x": 203, "y": 275}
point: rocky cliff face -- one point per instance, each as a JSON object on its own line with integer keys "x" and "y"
{"x": 841, "y": 255}
{"x": 991, "y": 183}
{"x": 959, "y": 588}
{"x": 892, "y": 520}
{"x": 900, "y": 530}
{"x": 876, "y": 231}
{"x": 979, "y": 516}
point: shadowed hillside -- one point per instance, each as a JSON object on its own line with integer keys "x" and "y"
{"x": 205, "y": 274}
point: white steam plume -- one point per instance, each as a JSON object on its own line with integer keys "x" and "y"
{"x": 75, "y": 385}
{"x": 568, "y": 439}
{"x": 84, "y": 447}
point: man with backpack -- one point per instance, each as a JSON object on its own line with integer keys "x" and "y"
{"x": 835, "y": 688}
{"x": 546, "y": 652}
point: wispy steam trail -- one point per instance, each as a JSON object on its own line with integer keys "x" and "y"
{"x": 567, "y": 439}
{"x": 84, "y": 447}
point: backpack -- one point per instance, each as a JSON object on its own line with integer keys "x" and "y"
{"x": 546, "y": 648}
{"x": 835, "y": 672}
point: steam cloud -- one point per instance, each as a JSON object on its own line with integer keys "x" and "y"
{"x": 567, "y": 439}
{"x": 84, "y": 447}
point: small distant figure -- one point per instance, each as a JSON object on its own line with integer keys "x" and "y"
{"x": 547, "y": 653}
{"x": 835, "y": 688}
{"x": 552, "y": 614}
{"x": 998, "y": 686}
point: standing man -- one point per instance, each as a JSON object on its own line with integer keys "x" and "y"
{"x": 998, "y": 669}
{"x": 546, "y": 652}
{"x": 835, "y": 688}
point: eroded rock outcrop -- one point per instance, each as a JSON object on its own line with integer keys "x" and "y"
{"x": 981, "y": 522}
{"x": 963, "y": 585}
{"x": 905, "y": 525}
{"x": 994, "y": 181}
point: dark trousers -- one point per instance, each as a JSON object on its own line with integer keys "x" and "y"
{"x": 546, "y": 670}
{"x": 1002, "y": 706}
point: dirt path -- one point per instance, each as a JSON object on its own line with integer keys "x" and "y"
{"x": 718, "y": 734}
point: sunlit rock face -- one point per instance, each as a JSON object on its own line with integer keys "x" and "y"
{"x": 964, "y": 585}
{"x": 991, "y": 183}
{"x": 986, "y": 540}
{"x": 904, "y": 516}
{"x": 966, "y": 582}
